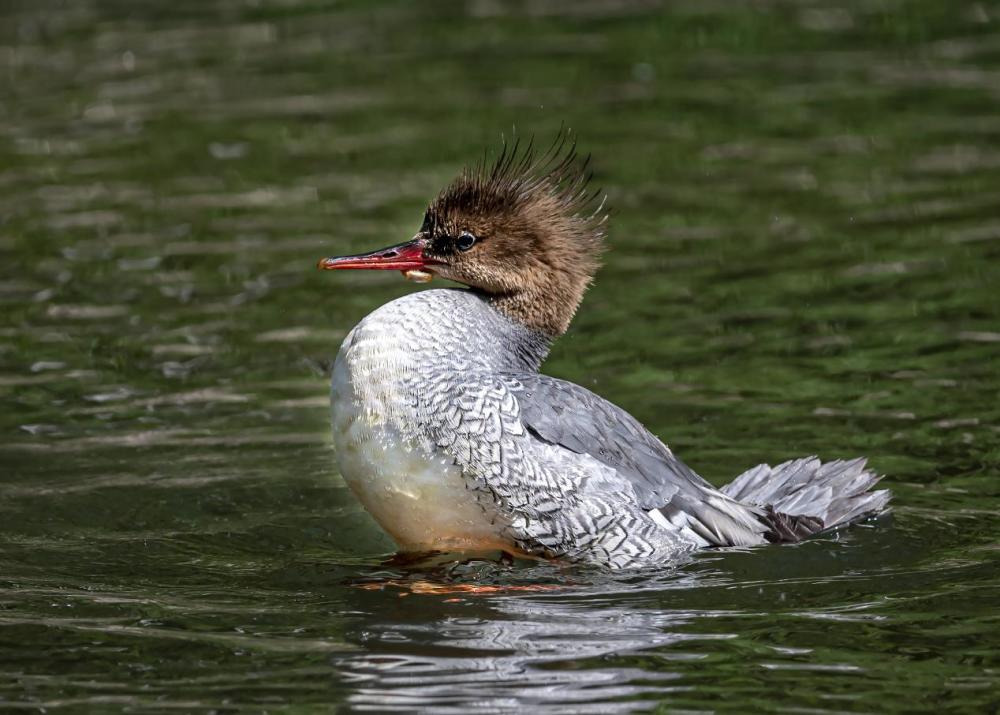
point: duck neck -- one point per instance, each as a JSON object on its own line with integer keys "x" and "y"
{"x": 522, "y": 345}
{"x": 457, "y": 330}
{"x": 546, "y": 307}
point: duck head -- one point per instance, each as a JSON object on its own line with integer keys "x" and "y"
{"x": 525, "y": 230}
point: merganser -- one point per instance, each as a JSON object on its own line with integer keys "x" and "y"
{"x": 453, "y": 441}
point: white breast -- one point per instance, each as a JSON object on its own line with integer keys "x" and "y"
{"x": 414, "y": 491}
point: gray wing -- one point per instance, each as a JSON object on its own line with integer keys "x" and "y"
{"x": 573, "y": 417}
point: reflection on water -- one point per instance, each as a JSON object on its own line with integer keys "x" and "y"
{"x": 516, "y": 656}
{"x": 804, "y": 261}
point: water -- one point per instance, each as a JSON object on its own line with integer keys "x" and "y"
{"x": 804, "y": 260}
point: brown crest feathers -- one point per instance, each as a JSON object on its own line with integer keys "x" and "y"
{"x": 539, "y": 231}
{"x": 520, "y": 175}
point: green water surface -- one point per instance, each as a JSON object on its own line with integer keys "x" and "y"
{"x": 805, "y": 259}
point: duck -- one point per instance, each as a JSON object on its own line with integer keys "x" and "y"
{"x": 454, "y": 441}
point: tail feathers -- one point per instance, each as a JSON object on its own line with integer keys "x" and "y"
{"x": 802, "y": 497}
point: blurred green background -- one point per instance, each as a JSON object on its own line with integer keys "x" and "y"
{"x": 805, "y": 259}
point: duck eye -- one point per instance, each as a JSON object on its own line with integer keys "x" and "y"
{"x": 465, "y": 241}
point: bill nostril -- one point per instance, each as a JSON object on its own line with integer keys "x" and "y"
{"x": 390, "y": 254}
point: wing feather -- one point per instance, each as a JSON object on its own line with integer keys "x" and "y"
{"x": 573, "y": 417}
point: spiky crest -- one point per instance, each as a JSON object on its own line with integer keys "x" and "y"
{"x": 538, "y": 230}
{"x": 521, "y": 176}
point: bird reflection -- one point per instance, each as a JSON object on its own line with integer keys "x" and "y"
{"x": 448, "y": 642}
